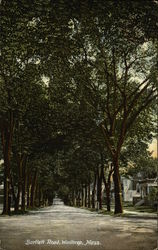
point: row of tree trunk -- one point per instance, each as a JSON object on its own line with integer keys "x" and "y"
{"x": 25, "y": 192}
{"x": 26, "y": 189}
{"x": 91, "y": 195}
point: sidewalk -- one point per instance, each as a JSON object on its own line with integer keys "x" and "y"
{"x": 144, "y": 215}
{"x": 131, "y": 214}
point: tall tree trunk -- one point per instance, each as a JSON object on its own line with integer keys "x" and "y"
{"x": 20, "y": 165}
{"x": 39, "y": 197}
{"x": 89, "y": 195}
{"x": 24, "y": 184}
{"x": 74, "y": 198}
{"x": 17, "y": 199}
{"x": 28, "y": 189}
{"x": 117, "y": 189}
{"x": 79, "y": 198}
{"x": 85, "y": 195}
{"x": 41, "y": 200}
{"x": 99, "y": 188}
{"x": 94, "y": 191}
{"x": 12, "y": 189}
{"x": 6, "y": 137}
{"x": 16, "y": 204}
{"x": 108, "y": 199}
{"x": 37, "y": 193}
{"x": 33, "y": 189}
{"x": 45, "y": 199}
{"x": 7, "y": 128}
{"x": 82, "y": 196}
{"x": 107, "y": 185}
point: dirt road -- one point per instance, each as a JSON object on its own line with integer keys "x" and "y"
{"x": 63, "y": 227}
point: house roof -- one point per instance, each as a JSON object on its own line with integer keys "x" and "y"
{"x": 148, "y": 181}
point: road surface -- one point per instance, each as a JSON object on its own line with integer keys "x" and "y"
{"x": 63, "y": 227}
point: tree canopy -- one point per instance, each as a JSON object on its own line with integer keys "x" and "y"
{"x": 78, "y": 85}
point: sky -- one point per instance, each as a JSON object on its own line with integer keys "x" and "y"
{"x": 153, "y": 147}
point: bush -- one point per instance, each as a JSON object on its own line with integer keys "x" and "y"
{"x": 153, "y": 195}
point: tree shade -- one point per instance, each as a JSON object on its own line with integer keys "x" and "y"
{"x": 99, "y": 60}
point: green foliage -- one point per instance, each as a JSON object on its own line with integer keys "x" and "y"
{"x": 153, "y": 195}
{"x": 144, "y": 165}
{"x": 66, "y": 68}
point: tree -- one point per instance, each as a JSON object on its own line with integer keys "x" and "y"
{"x": 20, "y": 55}
{"x": 100, "y": 78}
{"x": 144, "y": 165}
{"x": 111, "y": 64}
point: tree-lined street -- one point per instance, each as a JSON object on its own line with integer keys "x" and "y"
{"x": 63, "y": 227}
{"x": 78, "y": 111}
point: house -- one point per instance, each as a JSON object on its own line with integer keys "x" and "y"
{"x": 129, "y": 189}
{"x": 145, "y": 186}
{"x": 137, "y": 190}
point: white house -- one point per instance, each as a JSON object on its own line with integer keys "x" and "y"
{"x": 129, "y": 189}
